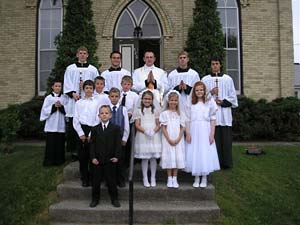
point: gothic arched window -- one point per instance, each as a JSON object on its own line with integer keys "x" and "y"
{"x": 50, "y": 25}
{"x": 138, "y": 20}
{"x": 229, "y": 17}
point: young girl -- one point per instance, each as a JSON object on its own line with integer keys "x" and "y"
{"x": 53, "y": 112}
{"x": 201, "y": 152}
{"x": 148, "y": 138}
{"x": 173, "y": 151}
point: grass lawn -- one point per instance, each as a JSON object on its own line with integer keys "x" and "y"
{"x": 260, "y": 190}
{"x": 26, "y": 188}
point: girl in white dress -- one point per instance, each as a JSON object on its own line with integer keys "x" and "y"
{"x": 147, "y": 144}
{"x": 172, "y": 122}
{"x": 201, "y": 152}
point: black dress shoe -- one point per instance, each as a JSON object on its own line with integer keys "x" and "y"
{"x": 115, "y": 203}
{"x": 94, "y": 203}
{"x": 85, "y": 183}
{"x": 122, "y": 184}
{"x": 74, "y": 158}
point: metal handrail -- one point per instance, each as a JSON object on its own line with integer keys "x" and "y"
{"x": 130, "y": 176}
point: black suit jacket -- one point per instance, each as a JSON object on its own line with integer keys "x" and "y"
{"x": 106, "y": 144}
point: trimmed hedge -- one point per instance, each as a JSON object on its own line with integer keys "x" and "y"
{"x": 278, "y": 120}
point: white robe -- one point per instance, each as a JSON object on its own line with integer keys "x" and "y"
{"x": 226, "y": 91}
{"x": 141, "y": 74}
{"x": 190, "y": 78}
{"x": 114, "y": 78}
{"x": 55, "y": 122}
{"x": 72, "y": 78}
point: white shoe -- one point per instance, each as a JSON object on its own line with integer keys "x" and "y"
{"x": 153, "y": 183}
{"x": 146, "y": 182}
{"x": 175, "y": 183}
{"x": 196, "y": 182}
{"x": 170, "y": 182}
{"x": 203, "y": 183}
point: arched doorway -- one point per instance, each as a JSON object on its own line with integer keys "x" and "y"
{"x": 137, "y": 29}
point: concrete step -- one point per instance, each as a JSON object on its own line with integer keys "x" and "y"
{"x": 157, "y": 212}
{"x": 71, "y": 172}
{"x": 74, "y": 190}
{"x": 62, "y": 223}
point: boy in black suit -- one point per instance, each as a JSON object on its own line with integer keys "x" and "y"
{"x": 104, "y": 152}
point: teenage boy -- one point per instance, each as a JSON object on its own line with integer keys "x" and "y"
{"x": 105, "y": 151}
{"x": 183, "y": 78}
{"x": 221, "y": 87}
{"x": 114, "y": 74}
{"x": 74, "y": 77}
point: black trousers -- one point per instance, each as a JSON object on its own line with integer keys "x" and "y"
{"x": 223, "y": 138}
{"x": 72, "y": 138}
{"x": 84, "y": 155}
{"x": 55, "y": 149}
{"x": 105, "y": 172}
{"x": 121, "y": 167}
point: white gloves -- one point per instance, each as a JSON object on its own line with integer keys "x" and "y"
{"x": 150, "y": 133}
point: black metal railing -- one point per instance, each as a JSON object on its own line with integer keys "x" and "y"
{"x": 130, "y": 176}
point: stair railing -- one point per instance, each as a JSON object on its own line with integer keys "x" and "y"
{"x": 130, "y": 176}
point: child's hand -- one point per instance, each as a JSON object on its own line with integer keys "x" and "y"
{"x": 95, "y": 161}
{"x": 123, "y": 143}
{"x": 114, "y": 160}
{"x": 211, "y": 139}
{"x": 172, "y": 142}
{"x": 188, "y": 138}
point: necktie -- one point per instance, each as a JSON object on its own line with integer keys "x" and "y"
{"x": 114, "y": 110}
{"x": 104, "y": 127}
{"x": 123, "y": 100}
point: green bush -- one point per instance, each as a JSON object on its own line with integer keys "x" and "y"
{"x": 29, "y": 115}
{"x": 278, "y": 120}
{"x": 21, "y": 121}
{"x": 9, "y": 125}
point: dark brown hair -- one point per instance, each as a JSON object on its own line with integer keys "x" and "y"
{"x": 142, "y": 105}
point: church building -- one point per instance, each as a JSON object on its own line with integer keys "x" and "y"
{"x": 259, "y": 41}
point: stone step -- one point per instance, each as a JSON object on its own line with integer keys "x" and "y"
{"x": 74, "y": 190}
{"x": 157, "y": 212}
{"x": 71, "y": 172}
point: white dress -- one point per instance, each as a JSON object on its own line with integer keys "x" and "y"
{"x": 146, "y": 147}
{"x": 172, "y": 156}
{"x": 201, "y": 157}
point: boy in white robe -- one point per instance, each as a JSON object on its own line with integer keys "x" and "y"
{"x": 222, "y": 89}
{"x": 74, "y": 77}
{"x": 113, "y": 76}
{"x": 183, "y": 78}
{"x": 53, "y": 112}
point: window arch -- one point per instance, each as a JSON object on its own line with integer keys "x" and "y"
{"x": 49, "y": 26}
{"x": 137, "y": 20}
{"x": 229, "y": 17}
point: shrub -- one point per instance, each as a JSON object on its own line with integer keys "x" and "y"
{"x": 9, "y": 125}
{"x": 278, "y": 120}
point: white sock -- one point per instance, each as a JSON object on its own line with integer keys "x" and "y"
{"x": 145, "y": 168}
{"x": 153, "y": 164}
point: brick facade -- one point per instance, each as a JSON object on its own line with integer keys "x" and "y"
{"x": 266, "y": 32}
